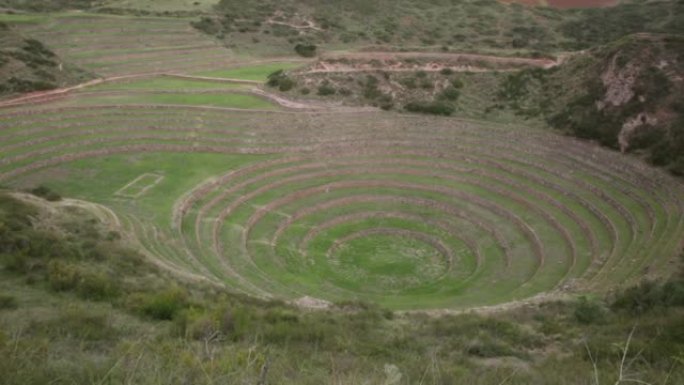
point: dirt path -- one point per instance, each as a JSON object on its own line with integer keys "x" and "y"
{"x": 320, "y": 67}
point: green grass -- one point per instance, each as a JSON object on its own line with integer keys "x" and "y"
{"x": 22, "y": 18}
{"x": 204, "y": 99}
{"x": 180, "y": 171}
{"x": 166, "y": 83}
{"x": 258, "y": 72}
{"x": 527, "y": 204}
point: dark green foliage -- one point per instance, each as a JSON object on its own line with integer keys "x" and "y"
{"x": 86, "y": 283}
{"x": 305, "y": 50}
{"x": 37, "y": 48}
{"x": 597, "y": 26}
{"x": 15, "y": 85}
{"x": 208, "y": 25}
{"x": 446, "y": 71}
{"x": 8, "y": 302}
{"x": 280, "y": 80}
{"x": 409, "y": 82}
{"x": 434, "y": 108}
{"x": 32, "y": 66}
{"x": 650, "y": 295}
{"x": 489, "y": 349}
{"x": 370, "y": 89}
{"x": 164, "y": 305}
{"x": 450, "y": 93}
{"x": 589, "y": 312}
{"x": 456, "y": 83}
{"x": 517, "y": 86}
{"x": 47, "y": 5}
{"x": 326, "y": 89}
{"x": 46, "y": 193}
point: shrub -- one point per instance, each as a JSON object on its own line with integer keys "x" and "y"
{"x": 588, "y": 312}
{"x": 325, "y": 90}
{"x": 434, "y": 108}
{"x": 45, "y": 193}
{"x": 207, "y": 25}
{"x": 161, "y": 306}
{"x": 446, "y": 71}
{"x": 305, "y": 50}
{"x": 281, "y": 80}
{"x": 409, "y": 82}
{"x": 650, "y": 295}
{"x": 457, "y": 83}
{"x": 286, "y": 84}
{"x": 97, "y": 286}
{"x": 7, "y": 302}
{"x": 62, "y": 276}
{"x": 489, "y": 349}
{"x": 37, "y": 48}
{"x": 450, "y": 93}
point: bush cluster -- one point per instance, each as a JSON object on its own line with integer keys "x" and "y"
{"x": 434, "y": 108}
{"x": 280, "y": 80}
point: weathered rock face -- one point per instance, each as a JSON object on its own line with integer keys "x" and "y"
{"x": 628, "y": 95}
{"x": 643, "y": 121}
{"x": 619, "y": 84}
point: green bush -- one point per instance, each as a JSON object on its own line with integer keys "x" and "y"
{"x": 589, "y": 312}
{"x": 326, "y": 90}
{"x": 8, "y": 302}
{"x": 286, "y": 84}
{"x": 62, "y": 276}
{"x": 97, "y": 286}
{"x": 409, "y": 82}
{"x": 46, "y": 193}
{"x": 489, "y": 349}
{"x": 434, "y": 108}
{"x": 305, "y": 50}
{"x": 160, "y": 306}
{"x": 281, "y": 80}
{"x": 650, "y": 295}
{"x": 450, "y": 93}
{"x": 456, "y": 83}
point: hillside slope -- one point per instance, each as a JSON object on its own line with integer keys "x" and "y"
{"x": 27, "y": 65}
{"x": 464, "y": 25}
{"x": 628, "y": 95}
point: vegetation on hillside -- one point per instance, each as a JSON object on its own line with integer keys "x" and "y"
{"x": 626, "y": 95}
{"x": 76, "y": 306}
{"x": 443, "y": 24}
{"x": 27, "y": 65}
{"x": 46, "y": 5}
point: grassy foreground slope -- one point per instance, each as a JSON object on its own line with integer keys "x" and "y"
{"x": 68, "y": 316}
